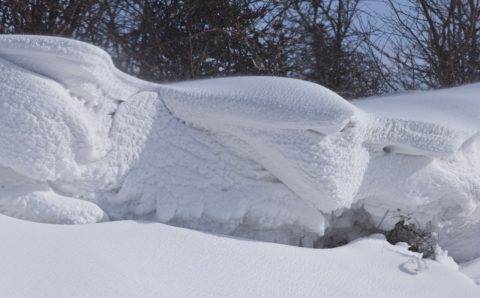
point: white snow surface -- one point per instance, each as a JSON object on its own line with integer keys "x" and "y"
{"x": 145, "y": 259}
{"x": 264, "y": 158}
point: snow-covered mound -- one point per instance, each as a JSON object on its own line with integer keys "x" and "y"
{"x": 138, "y": 259}
{"x": 259, "y": 157}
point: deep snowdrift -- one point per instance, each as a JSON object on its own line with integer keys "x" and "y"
{"x": 259, "y": 157}
{"x": 130, "y": 259}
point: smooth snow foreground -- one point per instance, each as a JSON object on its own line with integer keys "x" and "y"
{"x": 258, "y": 157}
{"x": 135, "y": 259}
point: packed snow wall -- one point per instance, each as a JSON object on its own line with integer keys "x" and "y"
{"x": 259, "y": 157}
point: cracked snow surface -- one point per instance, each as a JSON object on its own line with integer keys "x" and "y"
{"x": 258, "y": 157}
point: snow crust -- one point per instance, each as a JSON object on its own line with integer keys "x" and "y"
{"x": 145, "y": 259}
{"x": 258, "y": 157}
{"x": 265, "y": 103}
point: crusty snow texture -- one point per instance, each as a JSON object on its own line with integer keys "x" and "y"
{"x": 258, "y": 157}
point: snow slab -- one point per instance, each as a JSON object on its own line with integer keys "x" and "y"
{"x": 281, "y": 104}
{"x": 140, "y": 259}
{"x": 263, "y": 158}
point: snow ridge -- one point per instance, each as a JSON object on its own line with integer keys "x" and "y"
{"x": 258, "y": 157}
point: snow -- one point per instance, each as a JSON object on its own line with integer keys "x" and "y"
{"x": 262, "y": 158}
{"x": 260, "y": 102}
{"x": 472, "y": 269}
{"x": 35, "y": 201}
{"x": 140, "y": 259}
{"x": 441, "y": 190}
{"x": 457, "y": 107}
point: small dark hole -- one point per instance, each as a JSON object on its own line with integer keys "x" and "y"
{"x": 387, "y": 149}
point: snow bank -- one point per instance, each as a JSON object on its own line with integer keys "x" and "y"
{"x": 266, "y": 103}
{"x": 139, "y": 259}
{"x": 436, "y": 187}
{"x": 258, "y": 157}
